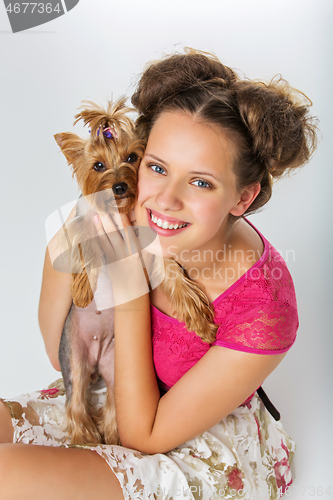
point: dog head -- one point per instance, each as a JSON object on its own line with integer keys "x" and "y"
{"x": 109, "y": 159}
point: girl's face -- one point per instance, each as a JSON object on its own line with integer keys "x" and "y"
{"x": 187, "y": 187}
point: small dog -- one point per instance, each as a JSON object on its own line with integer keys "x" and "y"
{"x": 107, "y": 162}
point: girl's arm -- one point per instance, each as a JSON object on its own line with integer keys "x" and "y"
{"x": 55, "y": 301}
{"x": 133, "y": 347}
{"x": 136, "y": 390}
{"x": 208, "y": 392}
{"x": 213, "y": 388}
{"x": 54, "y": 304}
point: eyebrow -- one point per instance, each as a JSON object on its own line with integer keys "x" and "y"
{"x": 191, "y": 172}
{"x": 157, "y": 159}
{"x": 203, "y": 173}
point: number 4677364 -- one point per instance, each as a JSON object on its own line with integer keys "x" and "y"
{"x": 31, "y": 7}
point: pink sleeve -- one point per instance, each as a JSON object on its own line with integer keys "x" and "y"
{"x": 264, "y": 328}
{"x": 260, "y": 315}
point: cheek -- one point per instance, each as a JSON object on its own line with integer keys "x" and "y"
{"x": 208, "y": 213}
{"x": 210, "y": 218}
{"x": 144, "y": 186}
{"x": 144, "y": 191}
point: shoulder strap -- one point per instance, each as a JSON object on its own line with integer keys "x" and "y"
{"x": 269, "y": 405}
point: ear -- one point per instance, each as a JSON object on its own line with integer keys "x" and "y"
{"x": 247, "y": 197}
{"x": 71, "y": 145}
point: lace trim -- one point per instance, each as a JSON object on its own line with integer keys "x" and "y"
{"x": 252, "y": 350}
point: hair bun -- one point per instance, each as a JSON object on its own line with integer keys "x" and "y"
{"x": 176, "y": 74}
{"x": 276, "y": 116}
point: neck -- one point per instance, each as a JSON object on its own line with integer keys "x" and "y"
{"x": 204, "y": 260}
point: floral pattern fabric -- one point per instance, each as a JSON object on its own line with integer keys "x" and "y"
{"x": 246, "y": 455}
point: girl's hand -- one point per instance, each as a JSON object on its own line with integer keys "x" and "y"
{"x": 122, "y": 250}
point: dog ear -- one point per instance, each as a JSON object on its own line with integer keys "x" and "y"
{"x": 71, "y": 145}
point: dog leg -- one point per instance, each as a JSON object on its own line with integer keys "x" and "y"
{"x": 81, "y": 417}
{"x": 107, "y": 425}
{"x": 81, "y": 290}
{"x": 108, "y": 421}
{"x": 86, "y": 259}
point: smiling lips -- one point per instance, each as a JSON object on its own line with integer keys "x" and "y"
{"x": 169, "y": 226}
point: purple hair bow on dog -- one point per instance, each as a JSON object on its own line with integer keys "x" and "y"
{"x": 108, "y": 132}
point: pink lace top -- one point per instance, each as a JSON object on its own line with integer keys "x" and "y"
{"x": 257, "y": 314}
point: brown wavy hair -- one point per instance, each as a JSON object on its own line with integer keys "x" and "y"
{"x": 269, "y": 123}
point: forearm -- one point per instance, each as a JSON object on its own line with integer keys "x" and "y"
{"x": 54, "y": 304}
{"x": 136, "y": 391}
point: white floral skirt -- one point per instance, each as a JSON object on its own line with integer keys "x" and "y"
{"x": 246, "y": 455}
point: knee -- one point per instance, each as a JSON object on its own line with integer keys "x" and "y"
{"x": 8, "y": 468}
{"x": 15, "y": 470}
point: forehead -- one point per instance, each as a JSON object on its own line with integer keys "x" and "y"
{"x": 179, "y": 135}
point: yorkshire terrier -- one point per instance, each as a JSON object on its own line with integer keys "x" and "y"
{"x": 105, "y": 166}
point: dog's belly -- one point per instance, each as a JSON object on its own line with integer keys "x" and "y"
{"x": 95, "y": 324}
{"x": 92, "y": 336}
{"x": 86, "y": 344}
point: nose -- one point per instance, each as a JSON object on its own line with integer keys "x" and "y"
{"x": 169, "y": 197}
{"x": 120, "y": 188}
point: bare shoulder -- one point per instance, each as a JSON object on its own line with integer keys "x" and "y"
{"x": 247, "y": 243}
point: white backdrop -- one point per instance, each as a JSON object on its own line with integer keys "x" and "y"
{"x": 98, "y": 49}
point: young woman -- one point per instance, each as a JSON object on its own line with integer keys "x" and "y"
{"x": 191, "y": 423}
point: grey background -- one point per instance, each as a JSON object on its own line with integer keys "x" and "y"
{"x": 98, "y": 49}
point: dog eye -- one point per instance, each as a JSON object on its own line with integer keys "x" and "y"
{"x": 99, "y": 167}
{"x": 132, "y": 158}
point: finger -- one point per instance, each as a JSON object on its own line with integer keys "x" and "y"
{"x": 110, "y": 239}
{"x": 113, "y": 228}
{"x": 132, "y": 216}
{"x": 108, "y": 223}
{"x": 116, "y": 219}
{"x": 132, "y": 239}
{"x": 125, "y": 220}
{"x": 130, "y": 233}
{"x": 115, "y": 236}
{"x": 103, "y": 237}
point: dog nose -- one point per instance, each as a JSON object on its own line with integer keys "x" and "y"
{"x": 119, "y": 188}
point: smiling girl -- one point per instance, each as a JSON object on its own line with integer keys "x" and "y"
{"x": 190, "y": 419}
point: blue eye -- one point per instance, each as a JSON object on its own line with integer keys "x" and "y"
{"x": 157, "y": 168}
{"x": 202, "y": 183}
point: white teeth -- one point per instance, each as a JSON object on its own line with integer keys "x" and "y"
{"x": 164, "y": 224}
